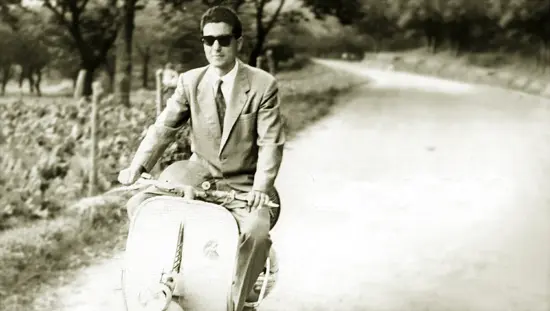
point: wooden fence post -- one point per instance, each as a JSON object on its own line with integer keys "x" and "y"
{"x": 270, "y": 61}
{"x": 79, "y": 87}
{"x": 97, "y": 92}
{"x": 158, "y": 76}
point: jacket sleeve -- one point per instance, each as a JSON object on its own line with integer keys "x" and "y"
{"x": 271, "y": 139}
{"x": 162, "y": 133}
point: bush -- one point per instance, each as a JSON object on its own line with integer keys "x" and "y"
{"x": 487, "y": 60}
{"x": 45, "y": 150}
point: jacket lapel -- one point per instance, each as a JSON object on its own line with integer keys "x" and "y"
{"x": 207, "y": 104}
{"x": 238, "y": 99}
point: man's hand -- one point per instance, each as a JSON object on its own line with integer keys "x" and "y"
{"x": 129, "y": 175}
{"x": 189, "y": 192}
{"x": 256, "y": 199}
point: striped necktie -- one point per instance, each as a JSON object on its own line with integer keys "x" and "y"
{"x": 220, "y": 102}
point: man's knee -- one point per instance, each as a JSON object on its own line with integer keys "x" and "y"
{"x": 257, "y": 225}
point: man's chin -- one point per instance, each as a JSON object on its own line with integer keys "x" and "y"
{"x": 220, "y": 63}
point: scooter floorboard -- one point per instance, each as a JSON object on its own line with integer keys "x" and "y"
{"x": 210, "y": 245}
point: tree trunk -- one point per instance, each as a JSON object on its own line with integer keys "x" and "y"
{"x": 88, "y": 79}
{"x": 90, "y": 67}
{"x": 109, "y": 67}
{"x": 145, "y": 68}
{"x": 253, "y": 59}
{"x": 37, "y": 82}
{"x": 6, "y": 76}
{"x": 123, "y": 75}
{"x": 257, "y": 50}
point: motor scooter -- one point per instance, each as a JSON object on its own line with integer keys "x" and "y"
{"x": 181, "y": 253}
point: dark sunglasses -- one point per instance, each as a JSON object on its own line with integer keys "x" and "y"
{"x": 224, "y": 40}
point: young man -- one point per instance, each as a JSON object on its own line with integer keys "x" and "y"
{"x": 236, "y": 132}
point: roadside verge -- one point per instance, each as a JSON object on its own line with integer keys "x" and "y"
{"x": 446, "y": 67}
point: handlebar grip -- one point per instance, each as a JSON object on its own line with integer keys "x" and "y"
{"x": 238, "y": 196}
{"x": 242, "y": 197}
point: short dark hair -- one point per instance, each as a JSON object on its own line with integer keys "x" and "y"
{"x": 223, "y": 14}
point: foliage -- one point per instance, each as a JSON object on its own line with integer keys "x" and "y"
{"x": 168, "y": 30}
{"x": 347, "y": 11}
{"x": 462, "y": 25}
{"x": 45, "y": 145}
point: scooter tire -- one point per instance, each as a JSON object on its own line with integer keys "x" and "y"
{"x": 275, "y": 211}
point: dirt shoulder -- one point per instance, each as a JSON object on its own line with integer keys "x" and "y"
{"x": 499, "y": 71}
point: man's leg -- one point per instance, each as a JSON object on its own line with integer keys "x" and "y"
{"x": 255, "y": 244}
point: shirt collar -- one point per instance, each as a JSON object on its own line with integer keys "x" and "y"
{"x": 228, "y": 77}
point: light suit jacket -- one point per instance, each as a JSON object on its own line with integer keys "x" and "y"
{"x": 248, "y": 153}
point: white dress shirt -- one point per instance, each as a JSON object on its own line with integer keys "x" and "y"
{"x": 228, "y": 82}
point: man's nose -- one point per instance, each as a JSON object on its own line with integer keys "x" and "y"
{"x": 216, "y": 45}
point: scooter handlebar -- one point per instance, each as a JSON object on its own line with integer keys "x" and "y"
{"x": 181, "y": 189}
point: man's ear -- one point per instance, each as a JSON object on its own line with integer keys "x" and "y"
{"x": 240, "y": 43}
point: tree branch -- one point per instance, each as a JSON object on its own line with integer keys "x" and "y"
{"x": 83, "y": 5}
{"x": 59, "y": 14}
{"x": 260, "y": 16}
{"x": 74, "y": 10}
{"x": 274, "y": 17}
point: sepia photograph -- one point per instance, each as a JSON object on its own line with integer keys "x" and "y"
{"x": 274, "y": 155}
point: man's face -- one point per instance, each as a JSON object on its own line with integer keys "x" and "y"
{"x": 220, "y": 54}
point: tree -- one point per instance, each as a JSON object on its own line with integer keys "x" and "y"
{"x": 263, "y": 24}
{"x": 265, "y": 14}
{"x": 530, "y": 19}
{"x": 149, "y": 32}
{"x": 92, "y": 26}
{"x": 425, "y": 17}
{"x": 32, "y": 45}
{"x": 124, "y": 47}
{"x": 7, "y": 15}
{"x": 7, "y": 46}
{"x": 346, "y": 11}
{"x": 123, "y": 62}
{"x": 378, "y": 21}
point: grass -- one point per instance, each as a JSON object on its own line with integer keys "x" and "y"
{"x": 497, "y": 69}
{"x": 38, "y": 256}
{"x": 47, "y": 252}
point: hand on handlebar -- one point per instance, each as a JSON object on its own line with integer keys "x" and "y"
{"x": 257, "y": 199}
{"x": 130, "y": 175}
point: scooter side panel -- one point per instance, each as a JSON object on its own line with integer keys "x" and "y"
{"x": 210, "y": 245}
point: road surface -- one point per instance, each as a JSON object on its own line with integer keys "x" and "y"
{"x": 415, "y": 194}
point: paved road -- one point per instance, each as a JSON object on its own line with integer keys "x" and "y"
{"x": 416, "y": 194}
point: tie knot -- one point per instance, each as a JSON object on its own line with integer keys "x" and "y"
{"x": 219, "y": 84}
